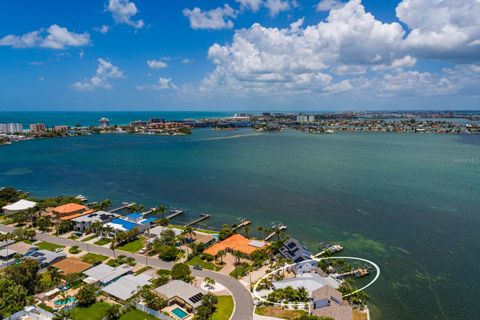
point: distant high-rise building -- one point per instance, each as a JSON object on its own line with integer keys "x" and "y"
{"x": 37, "y": 127}
{"x": 11, "y": 127}
{"x": 306, "y": 118}
{"x": 61, "y": 128}
{"x": 104, "y": 122}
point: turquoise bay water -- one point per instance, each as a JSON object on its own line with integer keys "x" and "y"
{"x": 408, "y": 202}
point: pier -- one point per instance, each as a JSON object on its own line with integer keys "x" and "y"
{"x": 275, "y": 231}
{"x": 203, "y": 216}
{"x": 125, "y": 205}
{"x": 357, "y": 273}
{"x": 174, "y": 213}
{"x": 242, "y": 224}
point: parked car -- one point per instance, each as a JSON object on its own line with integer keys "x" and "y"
{"x": 58, "y": 250}
{"x": 197, "y": 267}
{"x": 143, "y": 250}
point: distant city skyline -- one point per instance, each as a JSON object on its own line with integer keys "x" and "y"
{"x": 239, "y": 55}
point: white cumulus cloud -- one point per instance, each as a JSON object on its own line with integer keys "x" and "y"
{"x": 123, "y": 11}
{"x": 157, "y": 64}
{"x": 327, "y": 5}
{"x": 219, "y": 18}
{"x": 55, "y": 37}
{"x": 162, "y": 84}
{"x": 253, "y": 5}
{"x": 105, "y": 72}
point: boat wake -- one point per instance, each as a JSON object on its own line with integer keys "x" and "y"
{"x": 232, "y": 137}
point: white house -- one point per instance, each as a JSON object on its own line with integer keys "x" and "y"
{"x": 18, "y": 206}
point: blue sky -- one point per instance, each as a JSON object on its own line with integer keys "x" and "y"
{"x": 239, "y": 55}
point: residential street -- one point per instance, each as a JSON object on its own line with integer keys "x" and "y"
{"x": 243, "y": 298}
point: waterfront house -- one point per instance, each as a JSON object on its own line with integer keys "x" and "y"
{"x": 310, "y": 281}
{"x": 20, "y": 205}
{"x": 71, "y": 211}
{"x": 304, "y": 267}
{"x": 46, "y": 257}
{"x": 104, "y": 274}
{"x": 236, "y": 242}
{"x": 201, "y": 238}
{"x": 157, "y": 231}
{"x": 84, "y": 222}
{"x": 131, "y": 221}
{"x": 294, "y": 250}
{"x": 125, "y": 287}
{"x": 328, "y": 302}
{"x": 182, "y": 293}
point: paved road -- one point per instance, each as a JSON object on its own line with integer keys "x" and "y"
{"x": 242, "y": 297}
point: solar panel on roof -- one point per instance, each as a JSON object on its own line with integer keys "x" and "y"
{"x": 196, "y": 298}
{"x": 291, "y": 245}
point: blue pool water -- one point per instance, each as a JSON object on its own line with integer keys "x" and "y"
{"x": 179, "y": 313}
{"x": 61, "y": 302}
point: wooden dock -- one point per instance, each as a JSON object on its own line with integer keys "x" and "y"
{"x": 357, "y": 273}
{"x": 203, "y": 216}
{"x": 124, "y": 206}
{"x": 274, "y": 232}
{"x": 242, "y": 224}
{"x": 174, "y": 213}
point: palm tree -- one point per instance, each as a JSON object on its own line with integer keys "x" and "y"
{"x": 209, "y": 282}
{"x": 247, "y": 230}
{"x": 161, "y": 209}
{"x": 54, "y": 274}
{"x": 221, "y": 254}
{"x": 113, "y": 245}
{"x": 260, "y": 231}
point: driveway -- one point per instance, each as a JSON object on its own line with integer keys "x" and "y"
{"x": 242, "y": 297}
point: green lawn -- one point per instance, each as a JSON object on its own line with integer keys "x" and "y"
{"x": 203, "y": 263}
{"x": 94, "y": 312}
{"x": 133, "y": 246}
{"x": 164, "y": 272}
{"x": 48, "y": 246}
{"x": 240, "y": 271}
{"x": 93, "y": 257}
{"x": 135, "y": 314}
{"x": 89, "y": 238}
{"x": 103, "y": 242}
{"x": 224, "y": 308}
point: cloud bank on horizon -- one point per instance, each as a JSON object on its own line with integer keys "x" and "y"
{"x": 250, "y": 54}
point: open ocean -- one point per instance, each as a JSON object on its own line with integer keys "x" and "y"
{"x": 409, "y": 202}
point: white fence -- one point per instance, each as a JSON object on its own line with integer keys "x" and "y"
{"x": 156, "y": 314}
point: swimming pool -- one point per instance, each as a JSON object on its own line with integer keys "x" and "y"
{"x": 179, "y": 313}
{"x": 61, "y": 302}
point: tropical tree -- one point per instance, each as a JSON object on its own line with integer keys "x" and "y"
{"x": 209, "y": 283}
{"x": 162, "y": 209}
{"x": 113, "y": 312}
{"x": 221, "y": 254}
{"x": 103, "y": 205}
{"x": 54, "y": 274}
{"x": 13, "y": 297}
{"x": 87, "y": 295}
{"x": 151, "y": 299}
{"x": 24, "y": 274}
{"x": 181, "y": 271}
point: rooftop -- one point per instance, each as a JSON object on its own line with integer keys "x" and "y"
{"x": 20, "y": 205}
{"x": 236, "y": 242}
{"x": 72, "y": 265}
{"x": 46, "y": 256}
{"x": 21, "y": 247}
{"x": 188, "y": 293}
{"x": 121, "y": 224}
{"x": 105, "y": 274}
{"x": 69, "y": 208}
{"x": 126, "y": 287}
{"x": 99, "y": 216}
{"x": 5, "y": 253}
{"x": 158, "y": 230}
{"x": 310, "y": 281}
